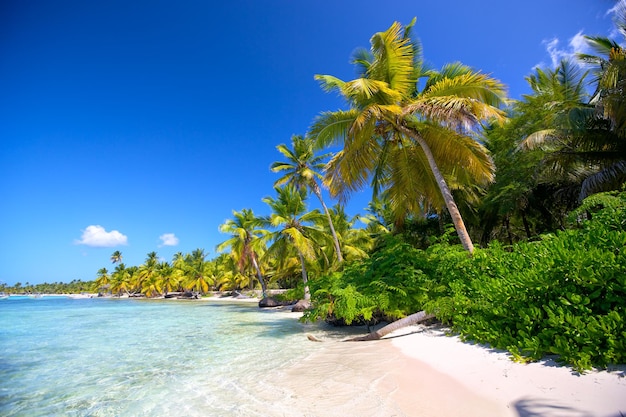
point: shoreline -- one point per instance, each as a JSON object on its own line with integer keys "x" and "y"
{"x": 423, "y": 372}
{"x": 542, "y": 388}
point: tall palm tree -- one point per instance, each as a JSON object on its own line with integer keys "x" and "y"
{"x": 357, "y": 242}
{"x": 246, "y": 241}
{"x": 198, "y": 271}
{"x": 121, "y": 280}
{"x": 168, "y": 277}
{"x": 609, "y": 99}
{"x": 583, "y": 145}
{"x": 413, "y": 144}
{"x": 116, "y": 257}
{"x": 302, "y": 170}
{"x": 148, "y": 273}
{"x": 102, "y": 280}
{"x": 297, "y": 229}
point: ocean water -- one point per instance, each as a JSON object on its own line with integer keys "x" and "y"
{"x": 129, "y": 357}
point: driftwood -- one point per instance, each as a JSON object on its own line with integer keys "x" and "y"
{"x": 313, "y": 338}
{"x": 419, "y": 317}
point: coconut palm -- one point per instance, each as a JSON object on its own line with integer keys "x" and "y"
{"x": 302, "y": 170}
{"x": 121, "y": 280}
{"x": 116, "y": 257}
{"x": 148, "y": 273}
{"x": 584, "y": 148}
{"x": 102, "y": 280}
{"x": 168, "y": 277}
{"x": 297, "y": 229}
{"x": 415, "y": 145}
{"x": 246, "y": 241}
{"x": 199, "y": 272}
{"x": 357, "y": 242}
{"x": 609, "y": 99}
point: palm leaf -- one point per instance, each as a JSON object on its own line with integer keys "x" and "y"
{"x": 331, "y": 128}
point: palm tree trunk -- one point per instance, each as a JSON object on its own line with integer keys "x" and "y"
{"x": 416, "y": 318}
{"x": 318, "y": 193}
{"x": 259, "y": 275}
{"x": 459, "y": 225}
{"x": 305, "y": 280}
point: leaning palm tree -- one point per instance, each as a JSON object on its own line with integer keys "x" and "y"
{"x": 302, "y": 169}
{"x": 413, "y": 144}
{"x": 297, "y": 229}
{"x": 246, "y": 241}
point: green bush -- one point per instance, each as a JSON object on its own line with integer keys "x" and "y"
{"x": 563, "y": 295}
{"x": 388, "y": 285}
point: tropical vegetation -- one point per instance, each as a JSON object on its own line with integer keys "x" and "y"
{"x": 504, "y": 219}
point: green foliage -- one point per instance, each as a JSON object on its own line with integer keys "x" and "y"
{"x": 564, "y": 295}
{"x": 388, "y": 285}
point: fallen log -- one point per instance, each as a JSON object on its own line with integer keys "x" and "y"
{"x": 419, "y": 317}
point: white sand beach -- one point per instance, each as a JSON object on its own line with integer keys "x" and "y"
{"x": 423, "y": 372}
{"x": 428, "y": 374}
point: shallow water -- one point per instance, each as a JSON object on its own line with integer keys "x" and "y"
{"x": 112, "y": 357}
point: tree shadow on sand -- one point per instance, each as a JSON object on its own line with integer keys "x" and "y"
{"x": 529, "y": 407}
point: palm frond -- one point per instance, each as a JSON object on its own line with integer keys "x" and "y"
{"x": 538, "y": 139}
{"x": 609, "y": 178}
{"x": 331, "y": 128}
{"x": 472, "y": 85}
{"x": 394, "y": 61}
{"x": 329, "y": 83}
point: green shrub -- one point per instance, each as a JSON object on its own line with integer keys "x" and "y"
{"x": 388, "y": 285}
{"x": 563, "y": 295}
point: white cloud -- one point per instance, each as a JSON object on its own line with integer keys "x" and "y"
{"x": 576, "y": 45}
{"x": 98, "y": 237}
{"x": 168, "y": 239}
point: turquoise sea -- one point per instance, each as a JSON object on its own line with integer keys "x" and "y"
{"x": 137, "y": 357}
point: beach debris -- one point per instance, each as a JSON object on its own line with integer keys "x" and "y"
{"x": 313, "y": 338}
{"x": 301, "y": 306}
{"x": 269, "y": 302}
{"x": 419, "y": 317}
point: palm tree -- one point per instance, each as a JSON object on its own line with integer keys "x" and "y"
{"x": 102, "y": 281}
{"x": 413, "y": 144}
{"x": 610, "y": 103}
{"x": 168, "y": 277}
{"x": 297, "y": 229}
{"x": 120, "y": 280}
{"x": 583, "y": 147}
{"x": 147, "y": 273}
{"x": 357, "y": 242}
{"x": 246, "y": 241}
{"x": 178, "y": 264}
{"x": 198, "y": 271}
{"x": 116, "y": 257}
{"x": 302, "y": 170}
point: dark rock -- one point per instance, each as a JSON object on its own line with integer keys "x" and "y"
{"x": 269, "y": 302}
{"x": 301, "y": 306}
{"x": 172, "y": 295}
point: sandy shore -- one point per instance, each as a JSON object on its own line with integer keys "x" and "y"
{"x": 429, "y": 374}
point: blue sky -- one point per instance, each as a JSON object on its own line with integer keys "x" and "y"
{"x": 140, "y": 125}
